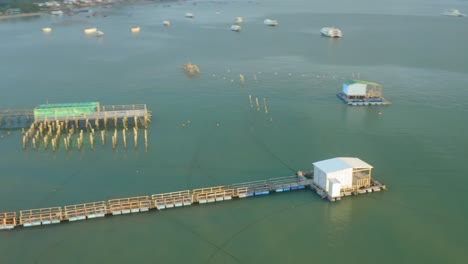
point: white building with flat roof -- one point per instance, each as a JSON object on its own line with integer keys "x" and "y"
{"x": 337, "y": 174}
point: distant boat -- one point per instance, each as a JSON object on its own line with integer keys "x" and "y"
{"x": 57, "y": 12}
{"x": 135, "y": 29}
{"x": 270, "y": 22}
{"x": 331, "y": 32}
{"x": 99, "y": 33}
{"x": 239, "y": 20}
{"x": 166, "y": 23}
{"x": 90, "y": 30}
{"x": 453, "y": 12}
{"x": 188, "y": 15}
{"x": 47, "y": 30}
{"x": 236, "y": 28}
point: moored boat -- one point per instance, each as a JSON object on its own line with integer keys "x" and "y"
{"x": 90, "y": 30}
{"x": 453, "y": 12}
{"x": 135, "y": 29}
{"x": 188, "y": 15}
{"x": 270, "y": 22}
{"x": 331, "y": 32}
{"x": 236, "y": 28}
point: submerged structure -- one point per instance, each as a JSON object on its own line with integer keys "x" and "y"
{"x": 358, "y": 92}
{"x": 332, "y": 179}
{"x": 192, "y": 70}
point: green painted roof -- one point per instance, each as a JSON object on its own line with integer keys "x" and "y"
{"x": 85, "y": 104}
{"x": 361, "y": 81}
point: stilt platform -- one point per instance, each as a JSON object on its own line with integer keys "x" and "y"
{"x": 113, "y": 207}
{"x": 363, "y": 102}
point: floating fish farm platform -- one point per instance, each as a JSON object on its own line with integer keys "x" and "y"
{"x": 363, "y": 102}
{"x": 113, "y": 207}
{"x": 75, "y": 114}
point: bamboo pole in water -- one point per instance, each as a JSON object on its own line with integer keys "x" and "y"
{"x": 250, "y": 100}
{"x": 146, "y": 139}
{"x": 265, "y": 105}
{"x": 258, "y": 105}
{"x": 103, "y": 137}
{"x": 135, "y": 137}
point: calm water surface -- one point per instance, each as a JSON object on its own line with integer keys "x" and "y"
{"x": 417, "y": 145}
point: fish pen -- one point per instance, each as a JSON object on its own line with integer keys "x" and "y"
{"x": 312, "y": 180}
{"x": 362, "y": 93}
{"x": 58, "y": 124}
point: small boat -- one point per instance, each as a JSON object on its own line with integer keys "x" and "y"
{"x": 57, "y": 12}
{"x": 453, "y": 12}
{"x": 239, "y": 20}
{"x": 270, "y": 22}
{"x": 47, "y": 30}
{"x": 188, "y": 15}
{"x": 90, "y": 30}
{"x": 135, "y": 29}
{"x": 236, "y": 28}
{"x": 166, "y": 23}
{"x": 331, "y": 32}
{"x": 99, "y": 33}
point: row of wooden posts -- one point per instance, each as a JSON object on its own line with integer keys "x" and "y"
{"x": 50, "y": 132}
{"x": 257, "y": 104}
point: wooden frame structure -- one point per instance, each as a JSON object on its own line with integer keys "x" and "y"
{"x": 44, "y": 216}
{"x": 172, "y": 199}
{"x": 87, "y": 210}
{"x": 7, "y": 220}
{"x": 129, "y": 205}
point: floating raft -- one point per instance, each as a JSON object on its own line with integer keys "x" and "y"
{"x": 131, "y": 205}
{"x": 363, "y": 102}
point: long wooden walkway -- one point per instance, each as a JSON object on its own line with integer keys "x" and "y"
{"x": 55, "y": 215}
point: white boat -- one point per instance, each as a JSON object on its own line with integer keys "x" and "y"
{"x": 57, "y": 12}
{"x": 239, "y": 20}
{"x": 99, "y": 33}
{"x": 453, "y": 12}
{"x": 90, "y": 30}
{"x": 166, "y": 23}
{"x": 270, "y": 22}
{"x": 236, "y": 28}
{"x": 47, "y": 30}
{"x": 331, "y": 32}
{"x": 188, "y": 15}
{"x": 135, "y": 29}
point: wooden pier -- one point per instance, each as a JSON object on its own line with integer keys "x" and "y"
{"x": 55, "y": 215}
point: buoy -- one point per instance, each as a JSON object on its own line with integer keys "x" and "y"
{"x": 167, "y": 23}
{"x": 47, "y": 30}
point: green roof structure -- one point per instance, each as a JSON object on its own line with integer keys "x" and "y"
{"x": 66, "y": 109}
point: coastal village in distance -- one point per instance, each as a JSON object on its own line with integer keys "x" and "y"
{"x": 29, "y": 8}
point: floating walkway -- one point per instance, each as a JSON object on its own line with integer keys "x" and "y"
{"x": 71, "y": 213}
{"x": 363, "y": 102}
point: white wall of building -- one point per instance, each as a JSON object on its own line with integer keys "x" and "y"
{"x": 335, "y": 188}
{"x": 345, "y": 177}
{"x": 355, "y": 89}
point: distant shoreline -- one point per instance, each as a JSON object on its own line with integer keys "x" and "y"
{"x": 20, "y": 15}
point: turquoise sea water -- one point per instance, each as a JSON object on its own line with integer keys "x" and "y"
{"x": 417, "y": 145}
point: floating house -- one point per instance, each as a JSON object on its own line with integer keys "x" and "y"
{"x": 339, "y": 177}
{"x": 358, "y": 92}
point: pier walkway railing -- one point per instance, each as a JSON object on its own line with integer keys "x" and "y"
{"x": 55, "y": 215}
